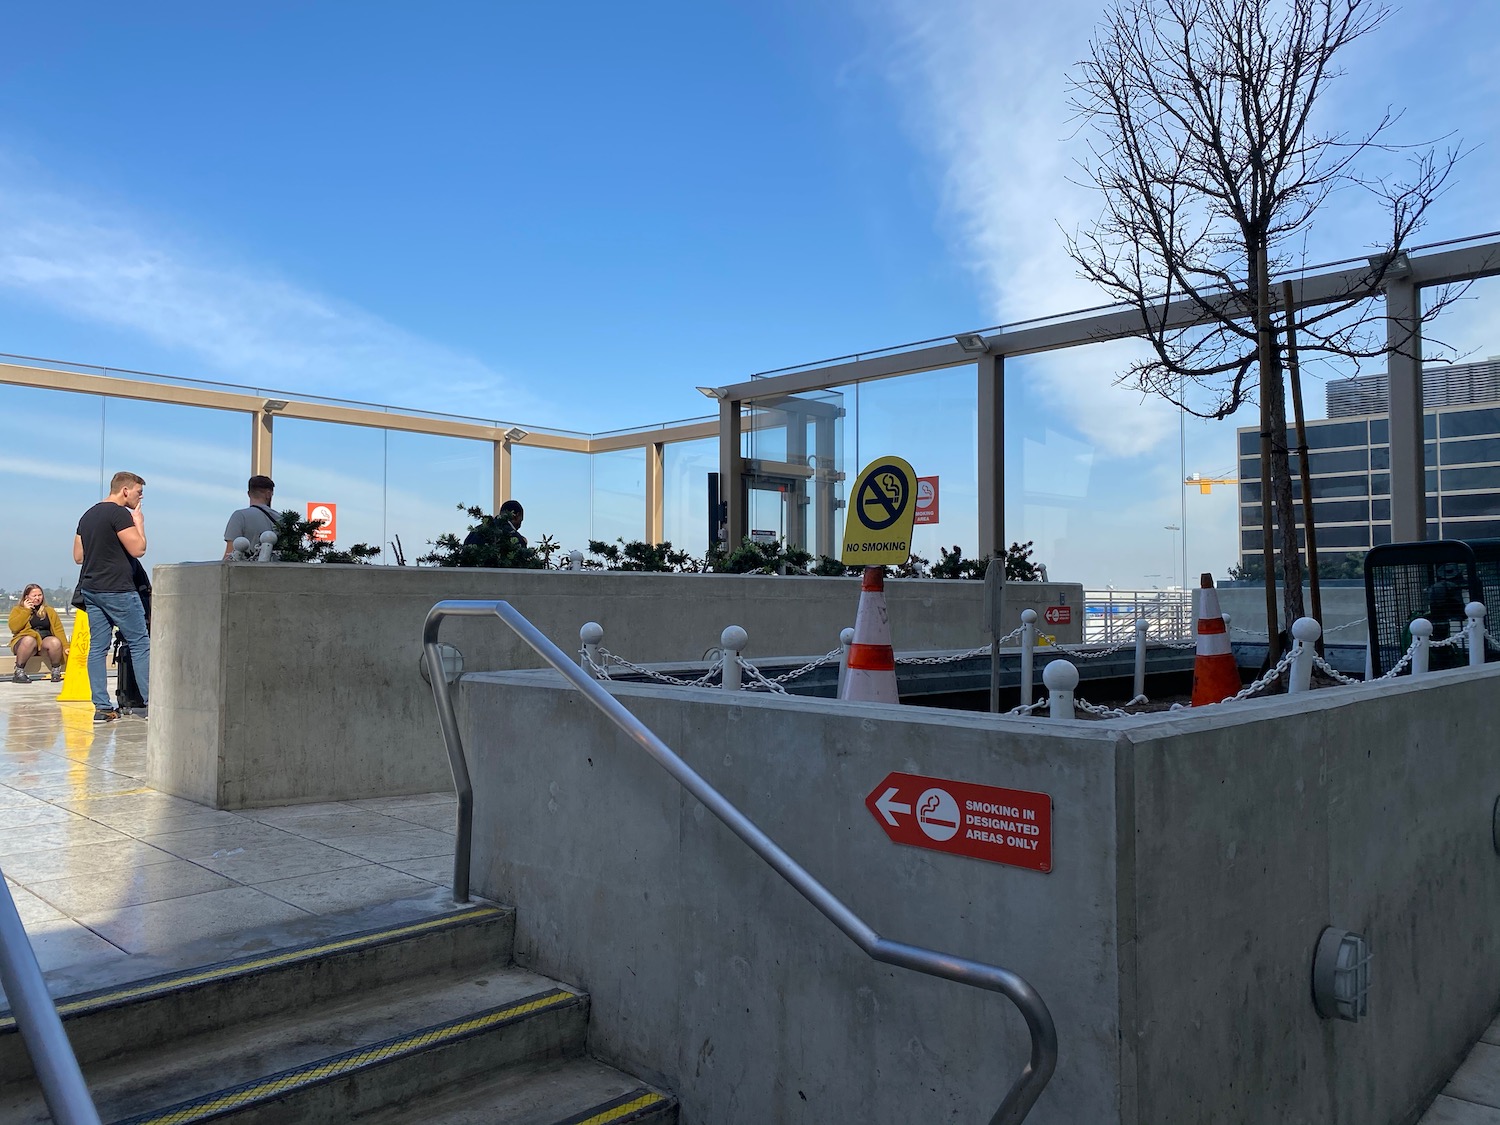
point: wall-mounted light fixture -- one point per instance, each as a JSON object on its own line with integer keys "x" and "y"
{"x": 272, "y": 405}
{"x": 972, "y": 342}
{"x": 451, "y": 659}
{"x": 714, "y": 392}
{"x": 515, "y": 434}
{"x": 1341, "y": 975}
{"x": 1395, "y": 266}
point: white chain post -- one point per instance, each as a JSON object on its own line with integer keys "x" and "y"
{"x": 1028, "y": 653}
{"x": 241, "y": 549}
{"x": 1141, "y": 625}
{"x": 1061, "y": 678}
{"x": 575, "y": 560}
{"x": 267, "y": 541}
{"x": 1475, "y": 612}
{"x": 1228, "y": 623}
{"x": 846, "y": 638}
{"x": 591, "y": 636}
{"x": 1421, "y": 635}
{"x": 1305, "y": 632}
{"x": 732, "y": 641}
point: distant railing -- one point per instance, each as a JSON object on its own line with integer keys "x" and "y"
{"x": 1109, "y": 616}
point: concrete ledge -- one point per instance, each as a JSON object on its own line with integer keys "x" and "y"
{"x": 285, "y": 683}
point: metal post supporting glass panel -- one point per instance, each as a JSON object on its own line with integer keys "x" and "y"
{"x": 1043, "y": 1061}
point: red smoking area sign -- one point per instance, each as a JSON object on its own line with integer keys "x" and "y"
{"x": 1010, "y": 826}
{"x": 927, "y": 500}
{"x": 328, "y": 513}
{"x": 1058, "y": 615}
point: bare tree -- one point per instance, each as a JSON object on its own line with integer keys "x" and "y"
{"x": 1205, "y": 148}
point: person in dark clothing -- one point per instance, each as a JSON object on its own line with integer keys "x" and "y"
{"x": 109, "y": 536}
{"x": 128, "y": 695}
{"x": 503, "y": 528}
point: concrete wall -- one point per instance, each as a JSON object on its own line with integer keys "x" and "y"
{"x": 1196, "y": 860}
{"x": 274, "y": 684}
{"x": 711, "y": 974}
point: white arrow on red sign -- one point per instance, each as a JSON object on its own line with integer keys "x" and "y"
{"x": 1058, "y": 615}
{"x": 888, "y": 806}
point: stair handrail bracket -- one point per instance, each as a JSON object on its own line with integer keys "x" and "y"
{"x": 1039, "y": 1068}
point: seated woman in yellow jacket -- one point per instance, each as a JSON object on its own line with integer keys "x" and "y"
{"x": 35, "y": 625}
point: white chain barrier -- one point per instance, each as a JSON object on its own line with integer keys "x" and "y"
{"x": 1301, "y": 660}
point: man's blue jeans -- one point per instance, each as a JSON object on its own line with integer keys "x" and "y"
{"x": 124, "y": 611}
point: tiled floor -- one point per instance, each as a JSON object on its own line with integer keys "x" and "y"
{"x": 101, "y": 865}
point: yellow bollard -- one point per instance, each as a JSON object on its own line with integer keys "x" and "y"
{"x": 75, "y": 688}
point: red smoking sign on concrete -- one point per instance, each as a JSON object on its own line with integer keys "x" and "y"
{"x": 1058, "y": 615}
{"x": 1010, "y": 826}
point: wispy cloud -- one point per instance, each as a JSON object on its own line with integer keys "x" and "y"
{"x": 986, "y": 90}
{"x": 227, "y": 319}
{"x": 985, "y": 86}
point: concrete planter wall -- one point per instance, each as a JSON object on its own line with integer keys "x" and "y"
{"x": 1196, "y": 859}
{"x": 274, "y": 684}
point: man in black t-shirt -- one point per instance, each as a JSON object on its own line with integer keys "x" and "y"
{"x": 110, "y": 534}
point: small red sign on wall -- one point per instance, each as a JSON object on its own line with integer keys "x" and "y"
{"x": 927, "y": 500}
{"x": 329, "y": 514}
{"x": 1010, "y": 826}
{"x": 1058, "y": 615}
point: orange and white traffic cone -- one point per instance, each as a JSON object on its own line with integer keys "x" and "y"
{"x": 1216, "y": 676}
{"x": 872, "y": 661}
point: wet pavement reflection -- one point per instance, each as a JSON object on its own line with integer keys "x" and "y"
{"x": 101, "y": 865}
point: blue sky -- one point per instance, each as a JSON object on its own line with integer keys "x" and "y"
{"x": 571, "y": 214}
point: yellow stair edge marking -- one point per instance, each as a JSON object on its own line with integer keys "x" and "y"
{"x": 646, "y": 1101}
{"x": 211, "y": 1105}
{"x": 255, "y": 964}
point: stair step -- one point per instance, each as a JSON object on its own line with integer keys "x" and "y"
{"x": 557, "y": 1092}
{"x": 343, "y": 1059}
{"x": 166, "y": 1007}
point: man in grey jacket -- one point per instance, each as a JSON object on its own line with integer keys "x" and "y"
{"x": 251, "y": 521}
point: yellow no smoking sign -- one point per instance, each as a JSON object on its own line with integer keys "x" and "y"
{"x": 877, "y": 530}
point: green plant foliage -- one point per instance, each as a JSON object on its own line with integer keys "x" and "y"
{"x": 952, "y": 564}
{"x": 295, "y": 543}
{"x": 751, "y": 557}
{"x": 1018, "y": 564}
{"x": 639, "y": 555}
{"x": 826, "y": 567}
{"x": 495, "y": 544}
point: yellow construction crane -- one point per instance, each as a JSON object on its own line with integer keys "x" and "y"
{"x": 1206, "y": 484}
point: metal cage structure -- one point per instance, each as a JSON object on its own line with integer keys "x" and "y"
{"x": 1405, "y": 581}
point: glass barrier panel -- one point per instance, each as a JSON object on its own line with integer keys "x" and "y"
{"x": 685, "y": 469}
{"x": 195, "y": 463}
{"x": 554, "y": 486}
{"x": 427, "y": 479}
{"x": 53, "y": 469}
{"x": 930, "y": 419}
{"x": 618, "y": 495}
{"x": 1094, "y": 474}
{"x": 340, "y": 466}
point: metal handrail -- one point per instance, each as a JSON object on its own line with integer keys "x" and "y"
{"x": 52, "y": 1057}
{"x": 1043, "y": 1061}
